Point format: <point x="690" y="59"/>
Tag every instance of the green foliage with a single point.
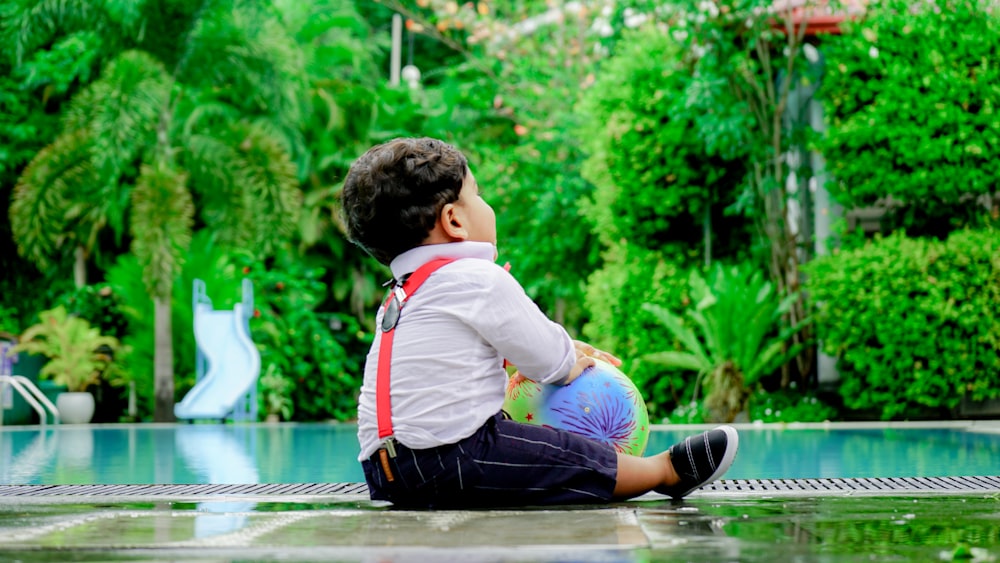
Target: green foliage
<point x="654" y="183"/>
<point x="913" y="322"/>
<point x="204" y="260"/>
<point x="275" y="394"/>
<point x="162" y="232"/>
<point x="632" y="276"/>
<point x="99" y="305"/>
<point x="920" y="126"/>
<point x="781" y="405"/>
<point x="78" y="353"/>
<point x="785" y="405"/>
<point x="125" y="138"/>
<point x="654" y="179"/>
<point x="10" y="324"/>
<point x="732" y="343"/>
<point x="315" y="357"/>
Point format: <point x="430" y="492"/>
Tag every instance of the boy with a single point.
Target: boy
<point x="436" y="436"/>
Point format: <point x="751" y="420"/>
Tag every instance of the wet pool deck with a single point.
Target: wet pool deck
<point x="794" y="520"/>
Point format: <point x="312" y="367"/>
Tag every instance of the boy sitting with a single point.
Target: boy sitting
<point x="436" y="436"/>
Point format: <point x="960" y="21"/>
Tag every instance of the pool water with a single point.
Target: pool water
<point x="312" y="453"/>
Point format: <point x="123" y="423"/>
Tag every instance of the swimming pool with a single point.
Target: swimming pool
<point x="315" y="453"/>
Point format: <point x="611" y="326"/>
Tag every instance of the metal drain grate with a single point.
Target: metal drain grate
<point x="895" y="486"/>
<point x="878" y="486"/>
<point x="271" y="489"/>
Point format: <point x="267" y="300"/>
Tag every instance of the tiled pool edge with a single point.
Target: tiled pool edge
<point x="733" y="488"/>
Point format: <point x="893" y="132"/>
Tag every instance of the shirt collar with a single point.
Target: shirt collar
<point x="412" y="259"/>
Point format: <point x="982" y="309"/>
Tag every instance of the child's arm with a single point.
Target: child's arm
<point x="540" y="348"/>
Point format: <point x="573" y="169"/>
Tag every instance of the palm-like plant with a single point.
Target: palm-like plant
<point x="735" y="336"/>
<point x="192" y="121"/>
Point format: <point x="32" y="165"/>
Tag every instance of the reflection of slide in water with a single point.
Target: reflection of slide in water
<point x="224" y="343"/>
<point x="214" y="454"/>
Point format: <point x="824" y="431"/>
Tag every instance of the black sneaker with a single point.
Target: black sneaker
<point x="700" y="460"/>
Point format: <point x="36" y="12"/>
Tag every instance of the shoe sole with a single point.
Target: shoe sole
<point x="732" y="445"/>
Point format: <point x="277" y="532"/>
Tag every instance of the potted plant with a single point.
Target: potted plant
<point x="78" y="355"/>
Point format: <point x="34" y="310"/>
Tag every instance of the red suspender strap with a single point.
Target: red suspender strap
<point x="392" y="308"/>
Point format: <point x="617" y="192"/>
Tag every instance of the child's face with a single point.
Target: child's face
<point x="480" y="221"/>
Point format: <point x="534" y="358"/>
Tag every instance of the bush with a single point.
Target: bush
<point x="918" y="124"/>
<point x="615" y="295"/>
<point x="653" y="176"/>
<point x="912" y="322"/>
<point x="315" y="358"/>
<point x="653" y="183"/>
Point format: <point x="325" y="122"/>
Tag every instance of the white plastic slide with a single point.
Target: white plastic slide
<point x="233" y="362"/>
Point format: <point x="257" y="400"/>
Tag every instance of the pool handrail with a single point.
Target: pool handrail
<point x="32" y="395"/>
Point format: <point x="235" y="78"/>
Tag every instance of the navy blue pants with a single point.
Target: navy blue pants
<point x="504" y="463"/>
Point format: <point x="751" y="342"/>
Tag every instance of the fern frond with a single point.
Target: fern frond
<point x="270" y="178"/>
<point x="243" y="48"/>
<point x="212" y="162"/>
<point x="42" y="206"/>
<point x="676" y="327"/>
<point x="209" y="115"/>
<point x="26" y="25"/>
<point x="162" y="219"/>
<point x="682" y="360"/>
<point x="133" y="92"/>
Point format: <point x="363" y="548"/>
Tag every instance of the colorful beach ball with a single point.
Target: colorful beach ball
<point x="602" y="404"/>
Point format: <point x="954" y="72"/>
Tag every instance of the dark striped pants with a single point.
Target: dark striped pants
<point x="504" y="463"/>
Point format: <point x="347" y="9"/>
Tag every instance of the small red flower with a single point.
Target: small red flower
<point x="280" y="285"/>
<point x="256" y="313"/>
<point x="246" y="269"/>
<point x="529" y="417"/>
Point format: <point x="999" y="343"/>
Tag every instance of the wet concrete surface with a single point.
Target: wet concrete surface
<point x="352" y="528"/>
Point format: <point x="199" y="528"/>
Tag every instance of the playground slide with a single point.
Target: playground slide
<point x="233" y="363"/>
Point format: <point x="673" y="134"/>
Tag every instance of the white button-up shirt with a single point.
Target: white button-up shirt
<point x="447" y="375"/>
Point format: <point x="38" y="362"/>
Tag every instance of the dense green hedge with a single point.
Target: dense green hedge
<point x="913" y="322"/>
<point x="653" y="181"/>
<point x="912" y="102"/>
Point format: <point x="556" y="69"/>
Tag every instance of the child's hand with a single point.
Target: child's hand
<point x="585" y="358"/>
<point x="582" y="348"/>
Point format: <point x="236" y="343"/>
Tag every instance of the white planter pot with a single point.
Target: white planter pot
<point x="75" y="408"/>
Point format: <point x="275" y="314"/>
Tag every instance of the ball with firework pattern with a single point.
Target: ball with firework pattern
<point x="602" y="404"/>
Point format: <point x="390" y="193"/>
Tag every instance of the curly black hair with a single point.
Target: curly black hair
<point x="394" y="193"/>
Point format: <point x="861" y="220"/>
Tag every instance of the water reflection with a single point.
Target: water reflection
<point x="217" y="455"/>
<point x="317" y="453"/>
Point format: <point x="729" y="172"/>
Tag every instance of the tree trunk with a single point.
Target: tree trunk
<point x="163" y="362"/>
<point x="79" y="267"/>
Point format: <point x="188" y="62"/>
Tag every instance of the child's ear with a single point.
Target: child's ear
<point x="452" y="222"/>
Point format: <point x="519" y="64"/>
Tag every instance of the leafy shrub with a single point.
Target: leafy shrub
<point x="913" y="322"/>
<point x="99" y="305"/>
<point x="735" y="339"/>
<point x="920" y="125"/>
<point x="632" y="276"/>
<point x="653" y="176"/>
<point x="654" y="182"/>
<point x="785" y="405"/>
<point x="318" y="355"/>
<point x="782" y="405"/>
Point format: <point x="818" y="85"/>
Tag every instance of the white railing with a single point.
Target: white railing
<point x="32" y="395"/>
